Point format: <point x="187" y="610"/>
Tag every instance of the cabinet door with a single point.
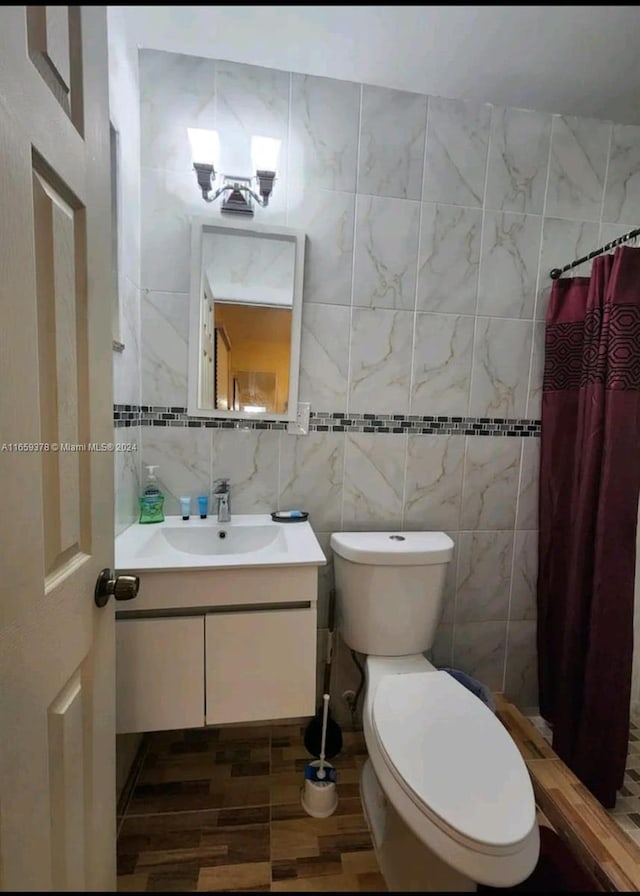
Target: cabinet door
<point x="159" y="674"/>
<point x="260" y="665"/>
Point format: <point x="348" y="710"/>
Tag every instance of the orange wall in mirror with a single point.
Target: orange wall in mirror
<point x="259" y="337"/>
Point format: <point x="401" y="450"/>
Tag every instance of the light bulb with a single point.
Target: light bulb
<point x="205" y="146"/>
<point x="264" y="153"/>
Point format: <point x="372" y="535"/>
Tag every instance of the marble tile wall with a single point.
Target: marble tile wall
<point x="125" y="118"/>
<point x="431" y="228"/>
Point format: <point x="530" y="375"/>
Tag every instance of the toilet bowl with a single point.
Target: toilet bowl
<point x="447" y="796"/>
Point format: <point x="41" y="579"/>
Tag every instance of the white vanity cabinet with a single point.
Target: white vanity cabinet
<point x="213" y="648"/>
<point x="160" y="673"/>
<point x="260" y="665"/>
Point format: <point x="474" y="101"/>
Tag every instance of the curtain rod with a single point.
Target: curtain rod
<point x="557" y="272"/>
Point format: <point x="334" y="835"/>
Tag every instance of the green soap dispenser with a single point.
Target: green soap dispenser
<point x="151" y="499"/>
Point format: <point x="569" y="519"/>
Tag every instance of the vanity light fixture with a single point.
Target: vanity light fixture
<point x="205" y="151"/>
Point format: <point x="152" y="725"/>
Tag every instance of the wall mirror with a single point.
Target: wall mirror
<point x="245" y="319"/>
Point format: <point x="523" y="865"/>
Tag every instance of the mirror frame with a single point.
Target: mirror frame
<point x="199" y="227"/>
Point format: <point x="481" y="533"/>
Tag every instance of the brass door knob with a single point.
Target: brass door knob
<point x="121" y="587"/>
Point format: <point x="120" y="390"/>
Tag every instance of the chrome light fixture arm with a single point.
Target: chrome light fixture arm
<point x="206" y="175"/>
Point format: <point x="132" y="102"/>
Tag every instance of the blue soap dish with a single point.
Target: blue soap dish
<point x="289" y="516"/>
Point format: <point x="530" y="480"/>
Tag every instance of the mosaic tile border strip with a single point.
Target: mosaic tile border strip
<point x="328" y="421"/>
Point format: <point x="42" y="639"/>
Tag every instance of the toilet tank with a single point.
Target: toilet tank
<point x="389" y="588"/>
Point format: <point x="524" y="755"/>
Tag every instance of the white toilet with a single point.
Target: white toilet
<point x="445" y="791"/>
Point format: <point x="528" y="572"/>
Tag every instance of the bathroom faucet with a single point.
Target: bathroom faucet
<point x="222" y="495"/>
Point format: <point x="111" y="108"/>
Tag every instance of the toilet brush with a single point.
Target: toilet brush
<point x="321" y="723"/>
<point x="321" y="773"/>
<point x="318" y="796"/>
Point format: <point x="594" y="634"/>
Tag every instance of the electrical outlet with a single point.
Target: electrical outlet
<point x="301" y="425"/>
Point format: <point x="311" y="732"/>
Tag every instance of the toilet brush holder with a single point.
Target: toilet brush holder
<point x="319" y="798"/>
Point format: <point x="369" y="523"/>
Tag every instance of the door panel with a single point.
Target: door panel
<point x="57" y="650"/>
<point x="53" y="42"/>
<point x="57" y="41"/>
<point x="66" y="771"/>
<point x="61" y="326"/>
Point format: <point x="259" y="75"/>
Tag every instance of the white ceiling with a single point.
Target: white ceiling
<point x="580" y="60"/>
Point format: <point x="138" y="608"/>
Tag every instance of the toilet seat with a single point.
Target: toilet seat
<point x="454" y="760"/>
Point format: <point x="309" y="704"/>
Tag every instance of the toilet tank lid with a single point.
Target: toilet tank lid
<point x="393" y="548"/>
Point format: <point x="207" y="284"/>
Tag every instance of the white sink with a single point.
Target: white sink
<point x="221" y="540"/>
<point x="247" y="540"/>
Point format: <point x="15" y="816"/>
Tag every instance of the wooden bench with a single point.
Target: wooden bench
<point x="595" y="840"/>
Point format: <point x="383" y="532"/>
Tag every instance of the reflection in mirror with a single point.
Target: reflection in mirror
<point x="245" y="336"/>
<point x="251" y="356"/>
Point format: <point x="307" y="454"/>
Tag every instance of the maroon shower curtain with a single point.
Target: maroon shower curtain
<point x="589" y="484"/>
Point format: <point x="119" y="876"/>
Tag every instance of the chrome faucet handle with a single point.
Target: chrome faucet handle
<point x="222" y="496"/>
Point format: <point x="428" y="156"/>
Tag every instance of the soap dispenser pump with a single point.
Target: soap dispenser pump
<point x="152" y="499"/>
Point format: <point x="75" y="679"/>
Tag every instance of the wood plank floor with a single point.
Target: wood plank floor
<point x="219" y="809"/>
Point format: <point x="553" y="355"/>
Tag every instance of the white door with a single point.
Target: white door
<point x="57" y="659"/>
